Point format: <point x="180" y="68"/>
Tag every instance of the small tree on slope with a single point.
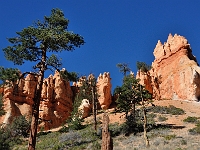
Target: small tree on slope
<point x="33" y="44"/>
<point x="130" y="94"/>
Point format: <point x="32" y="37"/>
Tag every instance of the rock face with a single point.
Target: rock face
<point x="84" y="109"/>
<point x="55" y="106"/>
<point x="56" y="99"/>
<point x="175" y="73"/>
<point x="104" y="90"/>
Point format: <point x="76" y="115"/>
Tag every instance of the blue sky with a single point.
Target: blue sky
<point x="115" y="31"/>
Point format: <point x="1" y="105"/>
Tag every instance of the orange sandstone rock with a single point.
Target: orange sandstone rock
<point x="175" y="73"/>
<point x="55" y="105"/>
<point x="104" y="90"/>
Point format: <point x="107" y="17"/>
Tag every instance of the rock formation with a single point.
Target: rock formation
<point x="56" y="99"/>
<point x="84" y="109"/>
<point x="175" y="73"/>
<point x="104" y="90"/>
<point x="56" y="103"/>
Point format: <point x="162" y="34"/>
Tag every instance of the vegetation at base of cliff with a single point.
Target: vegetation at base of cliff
<point x="161" y="136"/>
<point x="14" y="133"/>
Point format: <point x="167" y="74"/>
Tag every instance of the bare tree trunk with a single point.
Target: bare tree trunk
<point x="35" y="108"/>
<point x="133" y="111"/>
<point x="107" y="143"/>
<point x="145" y="127"/>
<point x="94" y="108"/>
<point x="145" y="121"/>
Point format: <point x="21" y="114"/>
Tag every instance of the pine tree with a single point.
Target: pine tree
<point x="123" y="68"/>
<point x="142" y="66"/>
<point x="130" y="94"/>
<point x="33" y="44"/>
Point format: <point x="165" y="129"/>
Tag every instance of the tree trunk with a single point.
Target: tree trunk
<point x="145" y="127"/>
<point x="36" y="104"/>
<point x="133" y="111"/>
<point x="145" y="120"/>
<point x="107" y="143"/>
<point x="94" y="108"/>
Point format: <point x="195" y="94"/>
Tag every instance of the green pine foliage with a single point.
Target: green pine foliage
<point x="85" y="92"/>
<point x="49" y="35"/>
<point x="143" y="66"/>
<point x="69" y="76"/>
<point x="12" y="134"/>
<point x="34" y="44"/>
<point x="9" y="75"/>
<point x="2" y="111"/>
<point x="20" y="126"/>
<point x="127" y="94"/>
<point x="131" y="94"/>
<point x="123" y="68"/>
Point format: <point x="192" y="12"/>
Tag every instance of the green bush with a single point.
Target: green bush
<point x="63" y="129"/>
<point x="115" y="129"/>
<point x="75" y="123"/>
<point x="175" y="111"/>
<point x="20" y="126"/>
<point x="170" y="137"/>
<point x="10" y="135"/>
<point x="191" y="119"/>
<point x="4" y="139"/>
<point x="162" y="118"/>
<point x="195" y="130"/>
<point x="167" y="110"/>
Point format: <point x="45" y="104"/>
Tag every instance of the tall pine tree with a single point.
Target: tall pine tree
<point x="33" y="44"/>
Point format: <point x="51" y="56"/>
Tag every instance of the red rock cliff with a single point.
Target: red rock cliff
<point x="175" y="73"/>
<point x="56" y="103"/>
<point x="57" y="98"/>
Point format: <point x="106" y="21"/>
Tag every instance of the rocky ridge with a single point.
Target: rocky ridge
<point x="56" y="103"/>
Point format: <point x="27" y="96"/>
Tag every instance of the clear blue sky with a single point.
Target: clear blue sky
<point x="115" y="31"/>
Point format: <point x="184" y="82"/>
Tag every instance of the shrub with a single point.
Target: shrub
<point x="20" y="126"/>
<point x="195" y="130"/>
<point x="75" y="123"/>
<point x="63" y="129"/>
<point x="4" y="139"/>
<point x="11" y="135"/>
<point x="162" y="118"/>
<point x="183" y="142"/>
<point x="115" y="129"/>
<point x="191" y="119"/>
<point x="167" y="110"/>
<point x="169" y="137"/>
<point x="175" y="111"/>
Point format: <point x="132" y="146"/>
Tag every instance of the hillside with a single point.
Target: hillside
<point x="173" y="133"/>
